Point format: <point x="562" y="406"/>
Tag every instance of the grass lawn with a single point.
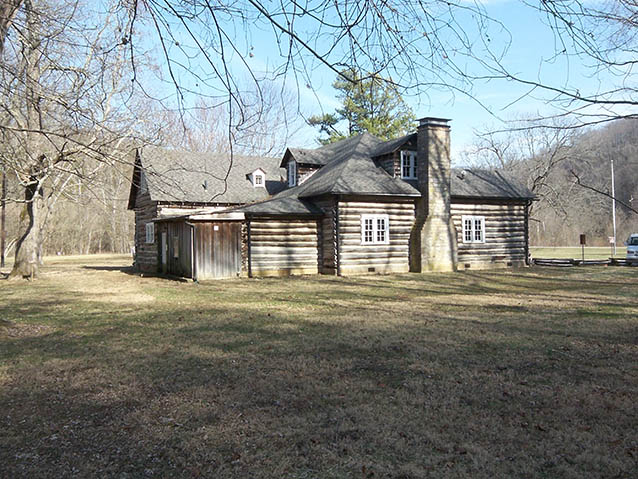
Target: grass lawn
<point x="522" y="373"/>
<point x="591" y="252"/>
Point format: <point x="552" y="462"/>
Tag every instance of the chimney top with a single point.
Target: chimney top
<point x="433" y="121"/>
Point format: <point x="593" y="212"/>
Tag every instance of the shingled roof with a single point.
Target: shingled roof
<point x="182" y="176"/>
<point x="487" y="184"/>
<point x="329" y="153"/>
<point x="349" y="169"/>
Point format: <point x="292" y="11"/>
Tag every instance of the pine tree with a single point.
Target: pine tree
<point x="370" y="104"/>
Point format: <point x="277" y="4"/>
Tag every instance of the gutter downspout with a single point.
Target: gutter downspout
<point x="335" y="222"/>
<point x="528" y="203"/>
<point x="249" y="247"/>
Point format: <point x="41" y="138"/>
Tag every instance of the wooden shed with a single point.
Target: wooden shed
<point x="201" y="246"/>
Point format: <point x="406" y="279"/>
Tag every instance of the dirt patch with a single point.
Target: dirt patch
<point x="10" y="329"/>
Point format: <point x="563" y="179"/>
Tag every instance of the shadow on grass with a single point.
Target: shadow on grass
<point x="300" y="378"/>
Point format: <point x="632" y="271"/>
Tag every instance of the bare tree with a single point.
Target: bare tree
<point x="62" y="87"/>
<point x="265" y="129"/>
<point x="531" y="152"/>
<point x="417" y="46"/>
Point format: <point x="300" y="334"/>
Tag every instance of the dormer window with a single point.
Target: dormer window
<point x="408" y="165"/>
<point x="258" y="178"/>
<point x="292" y="173"/>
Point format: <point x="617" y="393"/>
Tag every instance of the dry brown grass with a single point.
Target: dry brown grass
<point x="524" y="373"/>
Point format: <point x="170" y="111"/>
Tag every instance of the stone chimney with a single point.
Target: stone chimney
<point x="433" y="240"/>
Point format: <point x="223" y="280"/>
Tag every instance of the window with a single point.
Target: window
<point x="175" y="247"/>
<point x="473" y="229"/>
<point x="375" y="229"/>
<point x="259" y="179"/>
<point x="150" y="232"/>
<point x="292" y="173"/>
<point x="143" y="183"/>
<point x="408" y="165"/>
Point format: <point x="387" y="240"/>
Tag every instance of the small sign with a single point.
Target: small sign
<point x="612" y="240"/>
<point x="583" y="239"/>
<point x="215" y="227"/>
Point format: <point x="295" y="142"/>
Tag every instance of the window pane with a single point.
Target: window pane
<point x="368" y="232"/>
<point x="478" y="230"/>
<point x="380" y="230"/>
<point x="467" y="230"/>
<point x="408" y="164"/>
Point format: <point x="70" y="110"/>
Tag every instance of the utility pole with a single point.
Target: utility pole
<point x="3" y="201"/>
<point x="613" y="203"/>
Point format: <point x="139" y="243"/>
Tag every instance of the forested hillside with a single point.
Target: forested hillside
<point x="576" y="208"/>
<point x="569" y="170"/>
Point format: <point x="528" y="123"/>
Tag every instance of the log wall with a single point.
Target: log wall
<point x="283" y="247"/>
<point x="357" y="258"/>
<point x="327" y="245"/>
<point x="506" y="242"/>
<point x="146" y="254"/>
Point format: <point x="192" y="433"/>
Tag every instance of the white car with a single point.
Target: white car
<point x="632" y="248"/>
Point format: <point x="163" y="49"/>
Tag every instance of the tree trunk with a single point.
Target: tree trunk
<point x="26" y="256"/>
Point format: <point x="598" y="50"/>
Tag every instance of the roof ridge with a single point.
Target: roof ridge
<point x="206" y="153"/>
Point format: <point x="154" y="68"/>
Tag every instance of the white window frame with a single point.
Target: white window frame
<point x="292" y="173"/>
<point x="150" y="232"/>
<point x="409" y="162"/>
<point x="262" y="180"/>
<point x="473" y="229"/>
<point x="377" y="235"/>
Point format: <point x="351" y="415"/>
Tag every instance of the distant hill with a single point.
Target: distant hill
<point x="573" y="209"/>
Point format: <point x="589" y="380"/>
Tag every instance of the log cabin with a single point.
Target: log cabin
<point x="358" y="206"/>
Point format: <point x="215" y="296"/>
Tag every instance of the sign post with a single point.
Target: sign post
<point x="612" y="242"/>
<point x="583" y="241"/>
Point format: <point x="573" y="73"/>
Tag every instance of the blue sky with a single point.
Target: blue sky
<point x="531" y="54"/>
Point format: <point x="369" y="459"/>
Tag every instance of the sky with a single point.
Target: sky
<point x="530" y="54"/>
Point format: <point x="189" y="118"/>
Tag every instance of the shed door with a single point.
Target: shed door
<point x="218" y="249"/>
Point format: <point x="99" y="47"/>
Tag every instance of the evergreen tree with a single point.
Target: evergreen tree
<point x="369" y="103"/>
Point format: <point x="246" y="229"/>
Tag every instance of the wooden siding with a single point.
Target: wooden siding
<point x="218" y="248"/>
<point x="357" y="258"/>
<point x="282" y="247"/>
<point x="177" y="248"/>
<point x="180" y="209"/>
<point x="146" y="254"/>
<point x="505" y="234"/>
<point x="304" y="172"/>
